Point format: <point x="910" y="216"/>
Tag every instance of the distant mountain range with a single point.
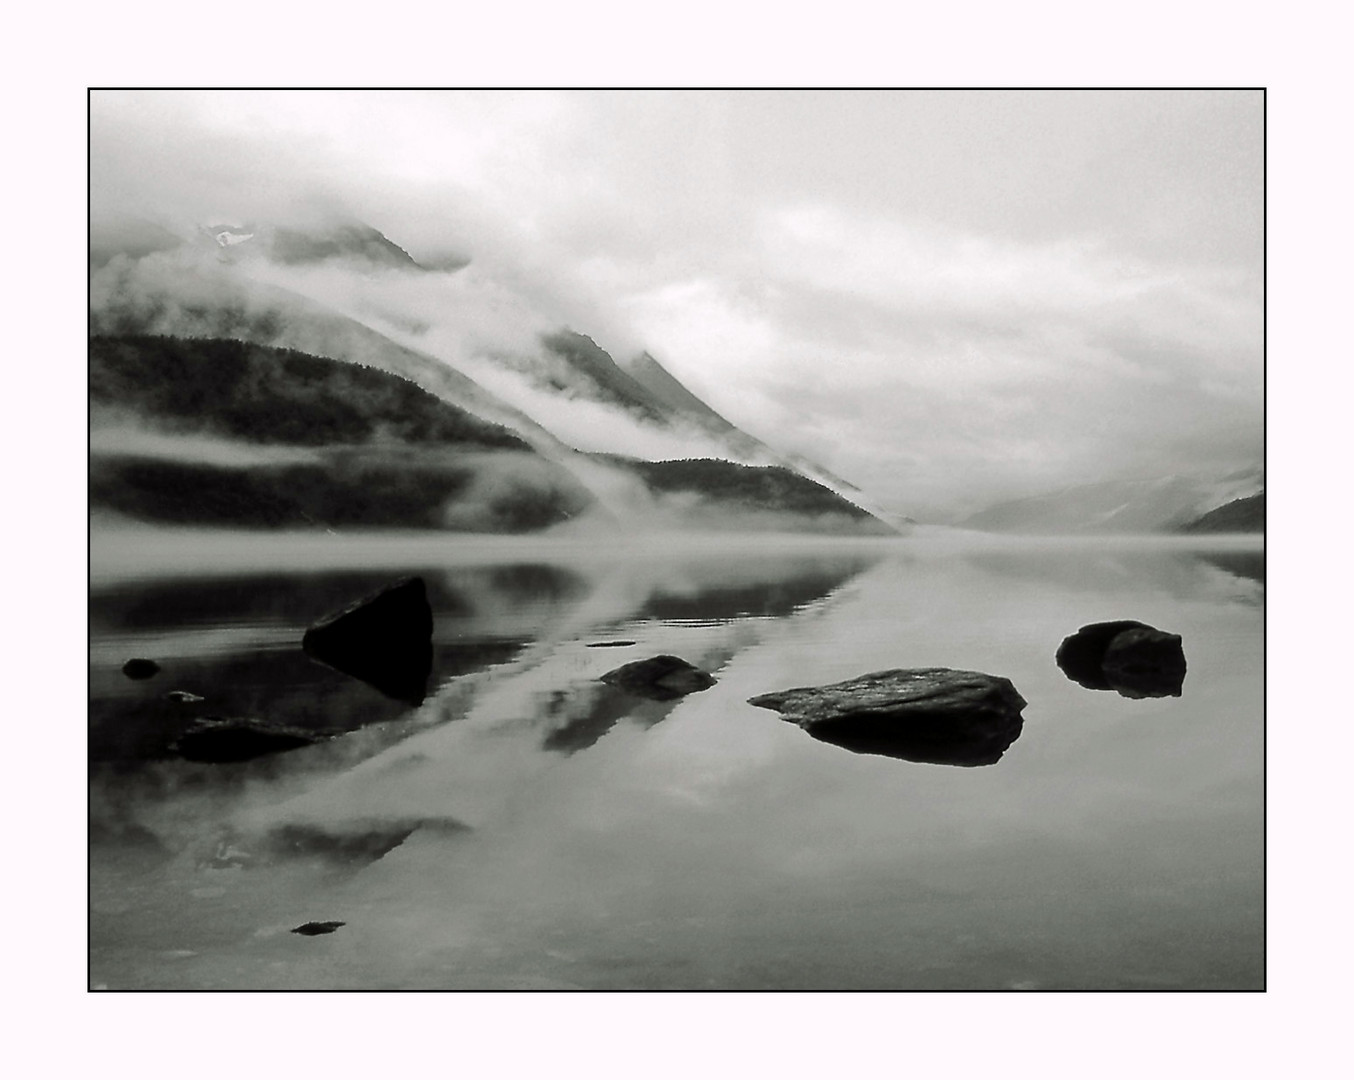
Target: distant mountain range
<point x="1238" y="516"/>
<point x="338" y="241"/>
<point x="608" y="436"/>
<point x="226" y="387"/>
<point x="1164" y="504"/>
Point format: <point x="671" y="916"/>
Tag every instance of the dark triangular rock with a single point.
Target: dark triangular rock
<point x="384" y="639"/>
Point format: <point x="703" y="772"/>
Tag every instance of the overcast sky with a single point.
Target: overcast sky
<point x="947" y="297"/>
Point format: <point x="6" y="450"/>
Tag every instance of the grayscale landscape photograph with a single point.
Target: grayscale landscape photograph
<point x="689" y="540"/>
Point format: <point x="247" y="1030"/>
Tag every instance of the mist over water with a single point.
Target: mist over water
<point x="531" y="827"/>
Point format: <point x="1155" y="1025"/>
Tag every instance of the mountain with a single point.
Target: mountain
<point x="1238" y="516"/>
<point x="715" y="494"/>
<point x="131" y="237"/>
<point x="665" y="389"/>
<point x="208" y="431"/>
<point x="264" y="395"/>
<point x="343" y="240"/>
<point x="220" y="432"/>
<point x="1162" y="504"/>
<point x="598" y="376"/>
<point x="557" y="391"/>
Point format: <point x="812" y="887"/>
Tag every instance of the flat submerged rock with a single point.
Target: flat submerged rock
<point x="938" y="716"/>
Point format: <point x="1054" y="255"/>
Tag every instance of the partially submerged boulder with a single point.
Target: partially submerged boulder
<point x="384" y="639"/>
<point x="660" y="678"/>
<point x="219" y="741"/>
<point x="1131" y="658"/>
<point x="936" y="716"/>
<point x="140" y="668"/>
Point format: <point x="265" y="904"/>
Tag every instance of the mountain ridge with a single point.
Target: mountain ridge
<point x="176" y="293"/>
<point x="209" y="431"/>
<point x="1157" y="504"/>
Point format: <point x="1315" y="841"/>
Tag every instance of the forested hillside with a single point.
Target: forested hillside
<point x="274" y="396"/>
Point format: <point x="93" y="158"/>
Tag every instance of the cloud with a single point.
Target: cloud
<point x="939" y="368"/>
<point x="946" y="297"/>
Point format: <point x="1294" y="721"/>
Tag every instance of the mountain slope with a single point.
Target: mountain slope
<point x="557" y="390"/>
<point x="266" y="395"/>
<point x="1119" y="506"/>
<point x="219" y="432"/>
<point x="673" y="396"/>
<point x="291" y="247"/>
<point x="191" y="299"/>
<point x="722" y="495"/>
<point x="130" y="237"/>
<point x="223" y="432"/>
<point x="605" y="379"/>
<point x="1238" y="516"/>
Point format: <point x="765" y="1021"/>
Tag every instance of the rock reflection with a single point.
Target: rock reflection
<point x="133" y="722"/>
<point x="587" y="711"/>
<point x="739" y="589"/>
<point x="1131" y="658"/>
<point x="1247" y="565"/>
<point x="348" y="844"/>
<point x="514" y="688"/>
<point x="980" y="740"/>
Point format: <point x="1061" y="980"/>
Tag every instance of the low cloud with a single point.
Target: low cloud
<point x="946" y="298"/>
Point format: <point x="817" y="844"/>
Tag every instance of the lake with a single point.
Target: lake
<point x="528" y="827"/>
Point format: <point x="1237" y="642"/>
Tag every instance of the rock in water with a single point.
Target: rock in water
<point x="384" y="639"/>
<point x="1131" y="658"/>
<point x="1079" y="656"/>
<point x="219" y="741"/>
<point x="311" y="929"/>
<point x="1145" y="663"/>
<point x="660" y="678"/>
<point x="936" y="716"/>
<point x="140" y="668"/>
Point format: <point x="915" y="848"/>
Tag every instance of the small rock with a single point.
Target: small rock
<point x="660" y="678"/>
<point x="219" y="741"/>
<point x="311" y="929"/>
<point x="936" y="716"/>
<point x="184" y="697"/>
<point x="140" y="668"/>
<point x="1131" y="658"/>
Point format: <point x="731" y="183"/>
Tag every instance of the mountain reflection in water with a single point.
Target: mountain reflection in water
<point x="235" y="642"/>
<point x="529" y="826"/>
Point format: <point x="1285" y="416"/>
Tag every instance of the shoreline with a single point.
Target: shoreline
<point x="121" y="552"/>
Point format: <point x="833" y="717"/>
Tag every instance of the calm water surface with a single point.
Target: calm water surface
<point x="528" y="827"/>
